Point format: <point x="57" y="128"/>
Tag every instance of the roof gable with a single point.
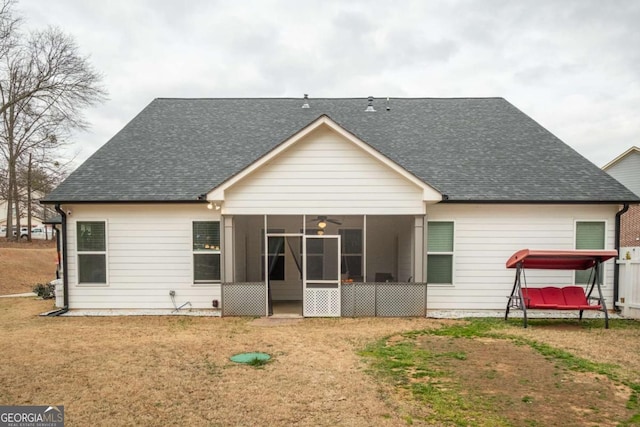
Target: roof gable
<point x="430" y="194"/>
<point x="630" y="152"/>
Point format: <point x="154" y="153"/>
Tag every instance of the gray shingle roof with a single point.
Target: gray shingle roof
<point x="479" y="149"/>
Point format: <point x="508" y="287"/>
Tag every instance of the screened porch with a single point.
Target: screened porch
<point x="324" y="265"/>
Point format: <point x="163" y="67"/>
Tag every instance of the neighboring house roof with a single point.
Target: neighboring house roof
<point x="471" y="149"/>
<point x="613" y="162"/>
<point x="55" y="220"/>
<point x="626" y="169"/>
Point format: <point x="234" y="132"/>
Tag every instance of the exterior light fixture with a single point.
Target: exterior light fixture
<point x="210" y="206"/>
<point x="320" y="232"/>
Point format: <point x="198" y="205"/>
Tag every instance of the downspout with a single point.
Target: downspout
<point x="65" y="280"/>
<point x="616" y="268"/>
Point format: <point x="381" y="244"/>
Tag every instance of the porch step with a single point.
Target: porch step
<point x="285" y="316"/>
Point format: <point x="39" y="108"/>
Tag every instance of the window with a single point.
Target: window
<point x="276" y="255"/>
<point x="92" y="252"/>
<point x="351" y="252"/>
<point x="439" y="252"/>
<point x="589" y="235"/>
<point x="206" y="251"/>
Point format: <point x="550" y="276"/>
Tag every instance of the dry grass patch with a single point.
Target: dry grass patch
<point x="23" y="265"/>
<point x="176" y="370"/>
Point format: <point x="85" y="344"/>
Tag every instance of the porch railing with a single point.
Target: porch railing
<point x="384" y="299"/>
<point x="244" y="299"/>
<point x="358" y="299"/>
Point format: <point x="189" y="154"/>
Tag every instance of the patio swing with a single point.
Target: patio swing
<point x="558" y="298"/>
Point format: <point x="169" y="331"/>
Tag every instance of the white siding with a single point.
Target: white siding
<point x="324" y="174"/>
<point x="627" y="171"/>
<point x="149" y="253"/>
<point x="487" y="235"/>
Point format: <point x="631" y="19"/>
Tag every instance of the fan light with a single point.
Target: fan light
<point x="322" y="225"/>
<point x="320" y="232"/>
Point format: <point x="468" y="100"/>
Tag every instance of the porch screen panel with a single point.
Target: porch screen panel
<point x="351" y="252"/>
<point x="440" y="252"/>
<point x="589" y="235"/>
<point x="276" y="255"/>
<point x="315" y="259"/>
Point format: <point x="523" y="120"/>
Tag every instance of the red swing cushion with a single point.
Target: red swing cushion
<point x="533" y="299"/>
<point x="553" y="298"/>
<point x="575" y="297"/>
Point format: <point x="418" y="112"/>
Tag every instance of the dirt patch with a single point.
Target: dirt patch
<point x="522" y="386"/>
<point x="619" y="345"/>
<point x="24" y="266"/>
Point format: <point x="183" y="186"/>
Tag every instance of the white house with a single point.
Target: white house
<point x="328" y="207"/>
<point x="626" y="169"/>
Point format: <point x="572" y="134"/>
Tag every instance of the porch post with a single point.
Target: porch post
<point x="227" y="250"/>
<point x="419" y="253"/>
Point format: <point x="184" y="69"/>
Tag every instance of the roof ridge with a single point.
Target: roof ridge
<point x="326" y="98"/>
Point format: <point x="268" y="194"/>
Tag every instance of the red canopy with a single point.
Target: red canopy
<point x="559" y="260"/>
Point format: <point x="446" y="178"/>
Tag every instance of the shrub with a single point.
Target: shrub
<point x="46" y="291"/>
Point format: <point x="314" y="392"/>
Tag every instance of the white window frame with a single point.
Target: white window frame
<point x="604" y="245"/>
<point x="451" y="253"/>
<point x="105" y="253"/>
<point x="195" y="252"/>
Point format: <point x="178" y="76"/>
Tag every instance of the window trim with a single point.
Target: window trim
<point x="451" y="253"/>
<point x="194" y="252"/>
<point x="105" y="253"/>
<point x="604" y="246"/>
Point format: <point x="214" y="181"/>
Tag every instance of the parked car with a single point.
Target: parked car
<point x="36" y="233"/>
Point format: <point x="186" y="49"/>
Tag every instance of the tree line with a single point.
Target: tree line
<point x="45" y="83"/>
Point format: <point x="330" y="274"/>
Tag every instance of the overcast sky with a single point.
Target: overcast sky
<point x="573" y="66"/>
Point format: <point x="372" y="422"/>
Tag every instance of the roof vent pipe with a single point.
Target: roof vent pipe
<point x="370" y="108"/>
<point x="306" y="101"/>
<point x="388" y="106"/>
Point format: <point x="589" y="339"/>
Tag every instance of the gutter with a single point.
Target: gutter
<point x="538" y="202"/>
<point x="616" y="269"/>
<point x="65" y="280"/>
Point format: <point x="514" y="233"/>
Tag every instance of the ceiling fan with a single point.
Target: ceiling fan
<point x="323" y="220"/>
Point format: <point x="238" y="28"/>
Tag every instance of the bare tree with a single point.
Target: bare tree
<point x="8" y="27"/>
<point x="44" y="86"/>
